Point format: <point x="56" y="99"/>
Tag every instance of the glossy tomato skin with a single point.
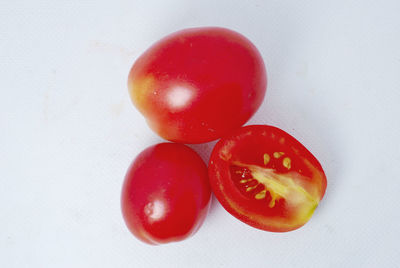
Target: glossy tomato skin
<point x="166" y="194"/>
<point x="266" y="178"/>
<point x="198" y="84"/>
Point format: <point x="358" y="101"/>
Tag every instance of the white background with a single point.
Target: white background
<point x="68" y="130"/>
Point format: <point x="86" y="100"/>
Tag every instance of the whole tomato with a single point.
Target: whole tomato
<point x="266" y="178"/>
<point x="198" y="84"/>
<point x="166" y="194"/>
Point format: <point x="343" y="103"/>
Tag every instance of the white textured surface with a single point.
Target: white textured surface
<point x="68" y="130"/>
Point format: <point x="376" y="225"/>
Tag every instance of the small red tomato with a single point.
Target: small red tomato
<point x="198" y="84"/>
<point x="266" y="178"/>
<point x="166" y="194"/>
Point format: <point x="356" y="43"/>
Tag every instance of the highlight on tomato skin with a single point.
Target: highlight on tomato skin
<point x="266" y="178"/>
<point x="198" y="84"/>
<point x="166" y="194"/>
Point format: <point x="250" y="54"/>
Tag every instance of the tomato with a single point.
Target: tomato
<point x="166" y="194"/>
<point x="266" y="178"/>
<point x="198" y="84"/>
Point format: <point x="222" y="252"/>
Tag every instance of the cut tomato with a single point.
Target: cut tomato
<point x="266" y="178"/>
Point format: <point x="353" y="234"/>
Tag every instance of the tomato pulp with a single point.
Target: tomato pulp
<point x="166" y="194"/>
<point x="198" y="84"/>
<point x="266" y="178"/>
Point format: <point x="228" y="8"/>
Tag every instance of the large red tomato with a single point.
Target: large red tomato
<point x="199" y="84"/>
<point x="266" y="178"/>
<point x="166" y="194"/>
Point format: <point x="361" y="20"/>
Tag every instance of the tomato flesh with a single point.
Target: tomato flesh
<point x="266" y="178"/>
<point x="166" y="194"/>
<point x="198" y="84"/>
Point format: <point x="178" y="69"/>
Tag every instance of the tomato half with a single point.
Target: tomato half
<point x="166" y="194"/>
<point x="198" y="84"/>
<point x="266" y="178"/>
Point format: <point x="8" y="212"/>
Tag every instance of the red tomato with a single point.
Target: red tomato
<point x="199" y="84"/>
<point x="266" y="178"/>
<point x="166" y="194"/>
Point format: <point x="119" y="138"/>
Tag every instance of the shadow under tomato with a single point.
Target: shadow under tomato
<point x="204" y="150"/>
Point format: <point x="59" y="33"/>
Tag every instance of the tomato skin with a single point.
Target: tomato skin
<point x="198" y="84"/>
<point x="266" y="152"/>
<point x="166" y="194"/>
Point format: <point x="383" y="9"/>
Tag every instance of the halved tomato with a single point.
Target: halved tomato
<point x="266" y="178"/>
